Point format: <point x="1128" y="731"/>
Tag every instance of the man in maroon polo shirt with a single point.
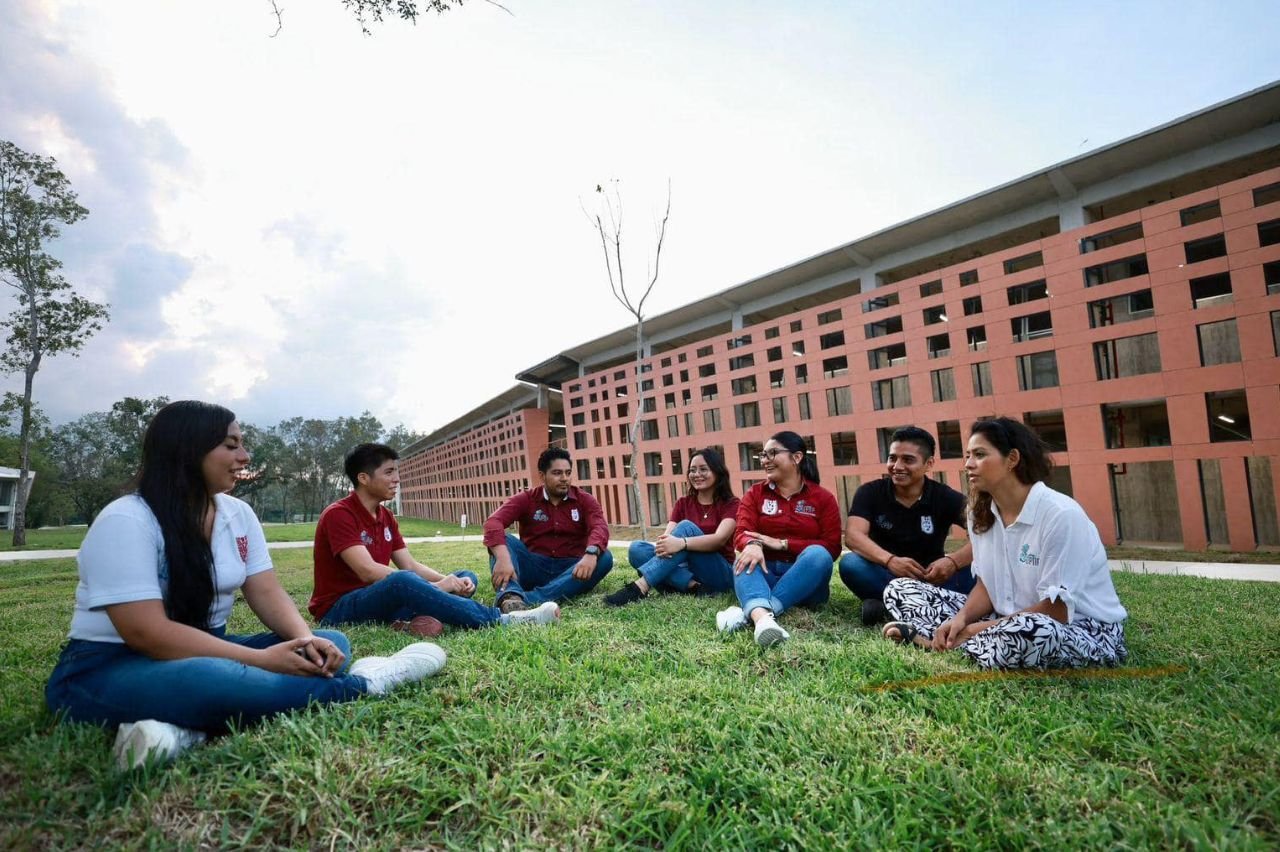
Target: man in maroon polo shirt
<point x="365" y="573"/>
<point x="563" y="547"/>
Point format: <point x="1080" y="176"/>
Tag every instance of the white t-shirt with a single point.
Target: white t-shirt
<point x="1051" y="552"/>
<point x="122" y="560"/>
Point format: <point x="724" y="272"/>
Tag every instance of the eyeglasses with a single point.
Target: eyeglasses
<point x="768" y="455"/>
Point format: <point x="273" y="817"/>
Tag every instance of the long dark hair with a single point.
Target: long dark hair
<point x="171" y="480"/>
<point x="722" y="492"/>
<point x="793" y="443"/>
<point x="1034" y="464"/>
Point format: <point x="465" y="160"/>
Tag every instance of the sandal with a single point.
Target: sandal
<point x="906" y="632"/>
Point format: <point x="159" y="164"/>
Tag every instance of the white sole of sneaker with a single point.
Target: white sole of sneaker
<point x="771" y="636"/>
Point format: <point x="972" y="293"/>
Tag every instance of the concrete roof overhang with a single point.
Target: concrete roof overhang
<point x="512" y="399"/>
<point x="1230" y="118"/>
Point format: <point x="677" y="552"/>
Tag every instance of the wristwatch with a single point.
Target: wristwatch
<point x="593" y="550"/>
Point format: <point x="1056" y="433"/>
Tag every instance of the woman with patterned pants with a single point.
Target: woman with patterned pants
<point x="1043" y="596"/>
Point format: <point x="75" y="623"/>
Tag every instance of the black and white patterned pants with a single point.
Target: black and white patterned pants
<point x="1023" y="640"/>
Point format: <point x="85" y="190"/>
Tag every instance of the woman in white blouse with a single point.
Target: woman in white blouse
<point x="1043" y="597"/>
<point x="149" y="652"/>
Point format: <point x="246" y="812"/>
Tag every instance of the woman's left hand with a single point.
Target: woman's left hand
<point x="325" y="654"/>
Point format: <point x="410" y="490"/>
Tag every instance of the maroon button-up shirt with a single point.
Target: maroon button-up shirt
<point x="555" y="530"/>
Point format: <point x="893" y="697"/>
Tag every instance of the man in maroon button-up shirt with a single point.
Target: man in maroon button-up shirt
<point x="563" y="548"/>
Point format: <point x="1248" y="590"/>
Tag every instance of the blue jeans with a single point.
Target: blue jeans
<point x="547" y="578"/>
<point x="108" y="683"/>
<point x="867" y="580"/>
<point x="806" y="582"/>
<point x="711" y="570"/>
<point x="402" y="595"/>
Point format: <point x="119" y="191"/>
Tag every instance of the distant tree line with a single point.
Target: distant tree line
<point x="83" y="465"/>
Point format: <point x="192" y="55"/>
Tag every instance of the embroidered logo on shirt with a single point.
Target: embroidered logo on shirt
<point x="804" y="507"/>
<point x="365" y="538"/>
<point x="1028" y="558"/>
<point x="539" y="515"/>
<point x="770" y="507"/>
<point x="926" y="524"/>
<point x="883" y="522"/>
<point x="386" y="533"/>
<point x="573" y="513"/>
<point x="242" y="545"/>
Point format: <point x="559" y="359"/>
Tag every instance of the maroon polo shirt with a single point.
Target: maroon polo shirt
<point x="810" y="516"/>
<point x="344" y="524"/>
<point x="557" y="531"/>
<point x="708" y="518"/>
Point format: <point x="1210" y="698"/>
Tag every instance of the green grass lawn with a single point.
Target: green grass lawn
<point x="642" y="727"/>
<point x="70" y="538"/>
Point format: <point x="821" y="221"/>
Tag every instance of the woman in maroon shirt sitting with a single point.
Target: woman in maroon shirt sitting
<point x="695" y="552"/>
<point x="788" y="537"/>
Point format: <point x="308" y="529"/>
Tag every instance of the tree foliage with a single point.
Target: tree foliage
<point x="50" y="319"/>
<point x="295" y="467"/>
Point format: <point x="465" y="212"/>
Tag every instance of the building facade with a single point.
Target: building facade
<point x="1126" y="304"/>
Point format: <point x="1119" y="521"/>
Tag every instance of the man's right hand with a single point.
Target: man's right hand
<point x="503" y="573"/>
<point x="905" y="566"/>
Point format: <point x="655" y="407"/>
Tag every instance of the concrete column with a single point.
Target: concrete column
<point x="736" y="320"/>
<point x="1071" y="215"/>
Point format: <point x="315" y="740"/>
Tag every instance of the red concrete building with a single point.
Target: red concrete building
<point x="1125" y="303"/>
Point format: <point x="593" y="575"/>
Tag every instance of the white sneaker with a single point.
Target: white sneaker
<point x="149" y="739"/>
<point x="411" y="663"/>
<point x="548" y="613"/>
<point x="731" y="619"/>
<point x="768" y="632"/>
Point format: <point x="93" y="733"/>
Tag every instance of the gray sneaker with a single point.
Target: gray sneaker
<point x="411" y="663"/>
<point x="152" y="740"/>
<point x="770" y="633"/>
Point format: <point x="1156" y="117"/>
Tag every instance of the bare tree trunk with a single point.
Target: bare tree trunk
<point x="611" y="240"/>
<point x="641" y="509"/>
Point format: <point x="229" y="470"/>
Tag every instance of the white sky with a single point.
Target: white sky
<point x="325" y="222"/>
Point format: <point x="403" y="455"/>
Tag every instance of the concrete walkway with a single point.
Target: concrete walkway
<point x="1218" y="570"/>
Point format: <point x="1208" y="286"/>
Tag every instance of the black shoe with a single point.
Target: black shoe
<point x="873" y="612"/>
<point x="629" y="593"/>
<point x="510" y="602"/>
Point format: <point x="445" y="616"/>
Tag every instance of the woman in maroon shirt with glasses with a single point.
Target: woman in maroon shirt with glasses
<point x="788" y="536"/>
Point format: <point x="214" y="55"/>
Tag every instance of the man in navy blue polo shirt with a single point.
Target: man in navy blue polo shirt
<point x="563" y="547"/>
<point x="898" y="527"/>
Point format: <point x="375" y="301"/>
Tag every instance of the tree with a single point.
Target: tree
<point x="401" y="437"/>
<point x="608" y="224"/>
<point x="374" y="11"/>
<point x="83" y="452"/>
<point x="49" y="503"/>
<point x="35" y="200"/>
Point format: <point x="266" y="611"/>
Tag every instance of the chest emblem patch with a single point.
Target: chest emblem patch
<point x="804" y="507"/>
<point x="242" y="545"/>
<point x="540" y="515"/>
<point x="365" y="538"/>
<point x="386" y="533"/>
<point x="926" y="524"/>
<point x="770" y="507"/>
<point x="573" y="513"/>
